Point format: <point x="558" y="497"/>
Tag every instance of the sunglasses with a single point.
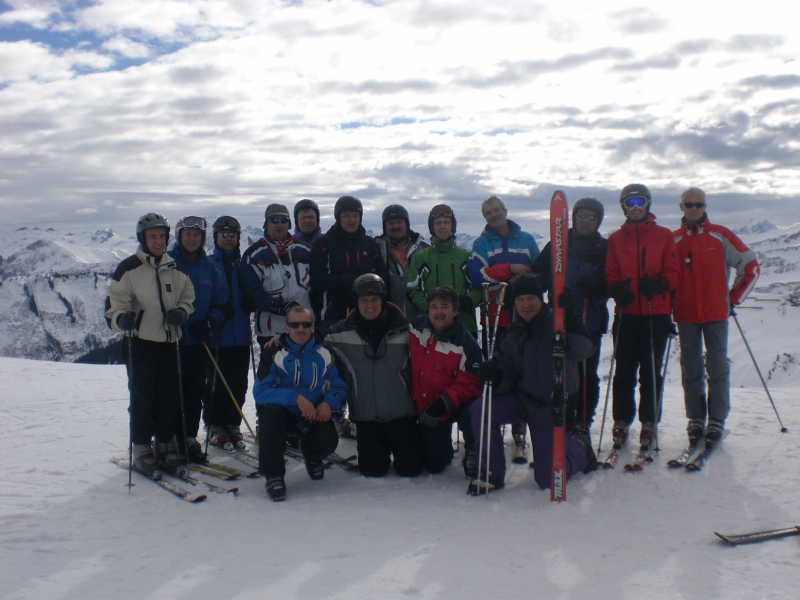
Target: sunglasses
<point x="441" y="210"/>
<point x="691" y="205"/>
<point x="193" y="223"/>
<point x="226" y="234"/>
<point x="635" y="201"/>
<point x="297" y="324"/>
<point x="582" y="215"/>
<point x="276" y="220"/>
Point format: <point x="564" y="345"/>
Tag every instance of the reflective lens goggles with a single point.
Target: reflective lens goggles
<point x="303" y="324"/>
<point x="370" y="288"/>
<point x="583" y="215"/>
<point x="276" y="220"/>
<point x="694" y="204"/>
<point x="441" y="210"/>
<point x="228" y="223"/>
<point x="635" y="201"/>
<point x="226" y="234"/>
<point x="192" y="223"/>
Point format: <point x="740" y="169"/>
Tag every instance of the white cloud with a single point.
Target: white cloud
<point x="35" y="14"/>
<point x="126" y="47"/>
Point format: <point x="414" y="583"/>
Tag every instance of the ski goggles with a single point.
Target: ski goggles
<point x="583" y="215"/>
<point x="276" y="220"/>
<point x="192" y="223"/>
<point x="694" y="204"/>
<point x="635" y="201"/>
<point x="371" y="288"/>
<point x="229" y="223"/>
<point x="441" y="210"/>
<point x="298" y="324"/>
<point x="227" y="234"/>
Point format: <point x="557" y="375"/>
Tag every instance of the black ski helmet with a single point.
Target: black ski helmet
<point x="441" y="210"/>
<point x="190" y="223"/>
<point x="369" y="284"/>
<point x="592" y="204"/>
<point x="347" y="204"/>
<point x="304" y="204"/>
<point x="226" y="224"/>
<point x="631" y="191"/>
<point x="395" y="211"/>
<point x="151" y="221"/>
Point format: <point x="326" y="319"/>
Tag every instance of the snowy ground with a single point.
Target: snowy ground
<point x="69" y="528"/>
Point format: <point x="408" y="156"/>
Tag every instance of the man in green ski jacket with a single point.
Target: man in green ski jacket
<point x="443" y="263"/>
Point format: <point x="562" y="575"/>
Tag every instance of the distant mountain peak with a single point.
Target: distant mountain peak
<point x="754" y="226"/>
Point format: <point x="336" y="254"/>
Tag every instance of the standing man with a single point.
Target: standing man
<point x="501" y="252"/>
<point x="703" y="303"/>
<point x="586" y="264"/>
<point x="397" y="245"/>
<point x="210" y="308"/>
<point x="371" y="347"/>
<point x="443" y="264"/>
<point x="150" y="296"/>
<point x="338" y="257"/>
<point x="233" y="350"/>
<point x="444" y="375"/>
<point x="306" y="221"/>
<point x="276" y="275"/>
<point x="642" y="269"/>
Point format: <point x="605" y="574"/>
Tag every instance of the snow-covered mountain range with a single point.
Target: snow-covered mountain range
<point x="53" y="285"/>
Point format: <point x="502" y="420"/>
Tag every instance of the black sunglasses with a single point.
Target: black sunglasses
<point x="694" y="204"/>
<point x="582" y="215"/>
<point x="277" y="220"/>
<point x="303" y="324"/>
<point x="226" y="234"/>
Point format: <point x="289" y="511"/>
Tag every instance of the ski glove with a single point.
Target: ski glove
<point x="176" y="317"/>
<point x="201" y="328"/>
<point x="489" y="372"/>
<point x="465" y="304"/>
<point x="593" y="286"/>
<point x="126" y="321"/>
<point x="653" y="286"/>
<point x="433" y="413"/>
<point x="621" y="293"/>
<point x="280" y="307"/>
<point x="567" y="301"/>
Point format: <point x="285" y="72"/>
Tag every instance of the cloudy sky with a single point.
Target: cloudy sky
<point x="113" y="108"/>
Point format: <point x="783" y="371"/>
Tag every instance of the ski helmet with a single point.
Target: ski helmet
<point x="369" y="284"/>
<point x="592" y="204"/>
<point x="191" y="223"/>
<point x="306" y="204"/>
<point x="635" y="190"/>
<point x="394" y="211"/>
<point x="347" y="204"/>
<point x="226" y="224"/>
<point x="151" y="221"/>
<point x="441" y="210"/>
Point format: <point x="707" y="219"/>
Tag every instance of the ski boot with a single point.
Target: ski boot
<point x="276" y="488"/>
<point x="470" y="466"/>
<point x="646" y="435"/>
<point x="582" y="436"/>
<point x="143" y="459"/>
<point x="195" y="450"/>
<point x="236" y="437"/>
<point x="714" y="430"/>
<point x="166" y="457"/>
<point x="477" y="487"/>
<point x="519" y="449"/>
<point x="695" y="430"/>
<point x="218" y="436"/>
<point x="619" y="435"/>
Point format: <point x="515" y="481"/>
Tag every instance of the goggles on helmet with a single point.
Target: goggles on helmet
<point x="192" y="223"/>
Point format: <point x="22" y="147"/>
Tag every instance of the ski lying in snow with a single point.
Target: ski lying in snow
<point x="758" y="536"/>
<point x="158" y="477"/>
<point x="642" y="458"/>
<point x="223" y="472"/>
<point x="613" y="458"/>
<point x="347" y="464"/>
<point x="217" y="489"/>
<point x="684" y="457"/>
<point x="243" y="456"/>
<point x="699" y="462"/>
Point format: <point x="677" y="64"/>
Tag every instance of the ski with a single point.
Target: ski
<point x="217" y="489"/>
<point x="684" y="457"/>
<point x="157" y="477"/>
<point x="559" y="231"/>
<point x="642" y="458"/>
<point x="243" y="456"/>
<point x="699" y="462"/>
<point x="758" y="536"/>
<point x="613" y="458"/>
<point x="347" y="464"/>
<point x="223" y="472"/>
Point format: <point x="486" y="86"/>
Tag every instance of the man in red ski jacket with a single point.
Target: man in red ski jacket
<point x="641" y="270"/>
<point x="703" y="304"/>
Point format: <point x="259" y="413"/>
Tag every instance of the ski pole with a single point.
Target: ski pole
<point x="614" y="336"/>
<point x="499" y="300"/>
<point x="130" y="413"/>
<point x="211" y="398"/>
<point x="653" y="371"/>
<point x="663" y="379"/>
<point x="755" y="364"/>
<point x="488" y="383"/>
<point x="233" y="398"/>
<point x="583" y="369"/>
<point x="180" y="393"/>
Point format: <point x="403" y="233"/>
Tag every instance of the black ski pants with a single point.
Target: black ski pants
<point x="633" y="354"/>
<point x="234" y="362"/>
<point x="437" y="441"/>
<point x="275" y="422"/>
<point x="195" y="369"/>
<point x="379" y="442"/>
<point x="585" y="406"/>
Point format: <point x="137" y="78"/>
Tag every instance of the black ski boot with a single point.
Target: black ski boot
<point x="714" y="430"/>
<point x="196" y="454"/>
<point x="695" y="430"/>
<point x="276" y="488"/>
<point x="470" y="466"/>
<point x="316" y="470"/>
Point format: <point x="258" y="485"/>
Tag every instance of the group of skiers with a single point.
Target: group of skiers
<point x="377" y="338"/>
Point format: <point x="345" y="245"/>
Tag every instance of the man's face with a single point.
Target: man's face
<point x="495" y="215"/>
<point x="155" y="240"/>
<point x="527" y="306"/>
<point x="299" y="335"/>
<point x="441" y="314"/>
<point x="278" y="231"/>
<point x="307" y="221"/>
<point x="586" y="221"/>
<point x="396" y="229"/>
<point x="191" y="239"/>
<point x="369" y="307"/>
<point x="636" y="214"/>
<point x="694" y="214"/>
<point x="227" y="240"/>
<point x="350" y="220"/>
<point x="443" y="228"/>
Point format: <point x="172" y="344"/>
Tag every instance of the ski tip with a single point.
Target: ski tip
<point x="724" y="538"/>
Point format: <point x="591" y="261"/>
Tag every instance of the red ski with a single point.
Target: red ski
<point x="559" y="231"/>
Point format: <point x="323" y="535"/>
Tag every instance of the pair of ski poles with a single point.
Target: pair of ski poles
<point x="486" y="399"/>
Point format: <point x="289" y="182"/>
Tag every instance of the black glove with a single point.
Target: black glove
<point x="653" y="286"/>
<point x="591" y="286"/>
<point x="200" y="328"/>
<point x="489" y="372"/>
<point x="176" y="317"/>
<point x="621" y="293"/>
<point x="566" y="300"/>
<point x="126" y="321"/>
<point x="465" y="304"/>
<point x="280" y="307"/>
<point x="433" y="413"/>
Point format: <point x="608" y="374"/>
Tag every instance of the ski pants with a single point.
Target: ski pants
<point x="437" y="441"/>
<point x="381" y="441"/>
<point x="275" y="423"/>
<point x="633" y="354"/>
<point x="195" y="370"/>
<point x="506" y="409"/>
<point x="716" y="368"/>
<point x="153" y="385"/>
<point x="234" y="362"/>
<point x="585" y="406"/>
